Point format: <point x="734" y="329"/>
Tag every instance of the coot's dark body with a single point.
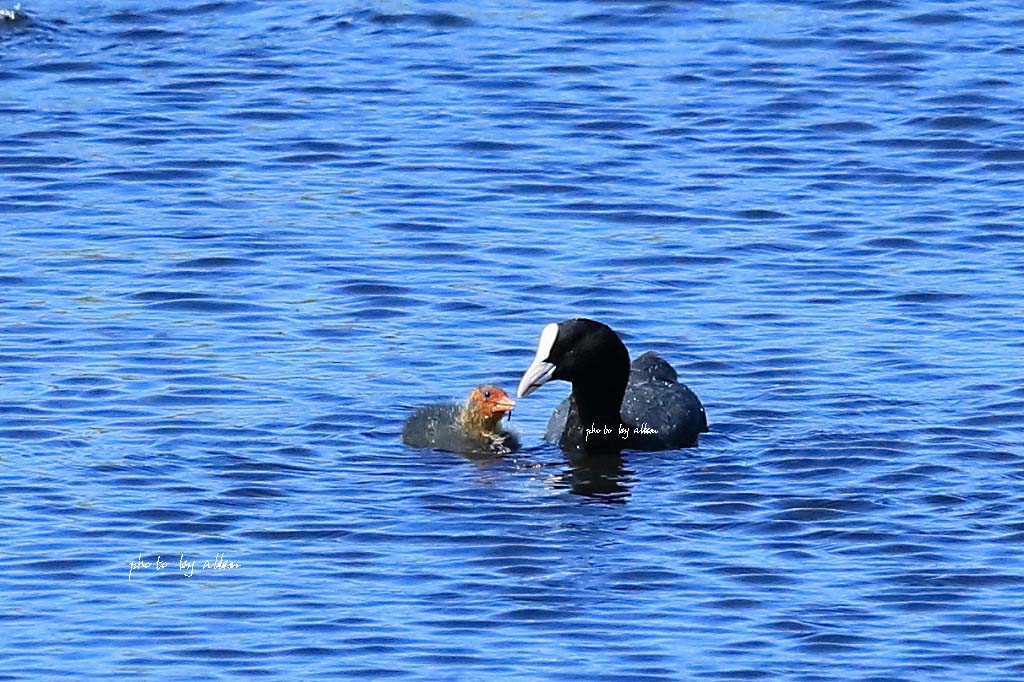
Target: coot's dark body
<point x="614" y="404"/>
<point x="653" y="397"/>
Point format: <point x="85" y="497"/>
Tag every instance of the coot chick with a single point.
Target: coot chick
<point x="614" y="405"/>
<point x="470" y="429"/>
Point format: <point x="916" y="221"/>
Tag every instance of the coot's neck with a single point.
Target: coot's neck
<point x="594" y="421"/>
<point x="599" y="398"/>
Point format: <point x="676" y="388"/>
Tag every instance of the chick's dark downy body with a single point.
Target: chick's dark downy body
<point x="473" y="428"/>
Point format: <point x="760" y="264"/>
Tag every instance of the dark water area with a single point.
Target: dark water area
<point x="241" y="241"/>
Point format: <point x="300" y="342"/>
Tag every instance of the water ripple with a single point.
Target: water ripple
<point x="226" y="281"/>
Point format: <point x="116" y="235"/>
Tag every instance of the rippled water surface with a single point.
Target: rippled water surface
<point x="242" y="240"/>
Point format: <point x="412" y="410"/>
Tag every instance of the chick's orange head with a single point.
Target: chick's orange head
<point x="491" y="400"/>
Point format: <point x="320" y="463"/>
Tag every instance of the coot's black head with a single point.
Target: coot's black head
<point x="586" y="353"/>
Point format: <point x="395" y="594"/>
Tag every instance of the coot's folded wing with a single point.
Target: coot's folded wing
<point x="662" y="415"/>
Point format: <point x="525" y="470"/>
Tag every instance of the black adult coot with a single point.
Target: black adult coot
<point x="613" y="405"/>
<point x="470" y="429"/>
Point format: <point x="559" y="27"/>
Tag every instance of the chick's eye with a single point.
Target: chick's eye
<point x="487" y="394"/>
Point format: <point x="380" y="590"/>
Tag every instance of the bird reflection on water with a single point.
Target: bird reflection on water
<point x="602" y="478"/>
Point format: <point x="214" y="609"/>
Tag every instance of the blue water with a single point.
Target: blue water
<point x="242" y="240"/>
